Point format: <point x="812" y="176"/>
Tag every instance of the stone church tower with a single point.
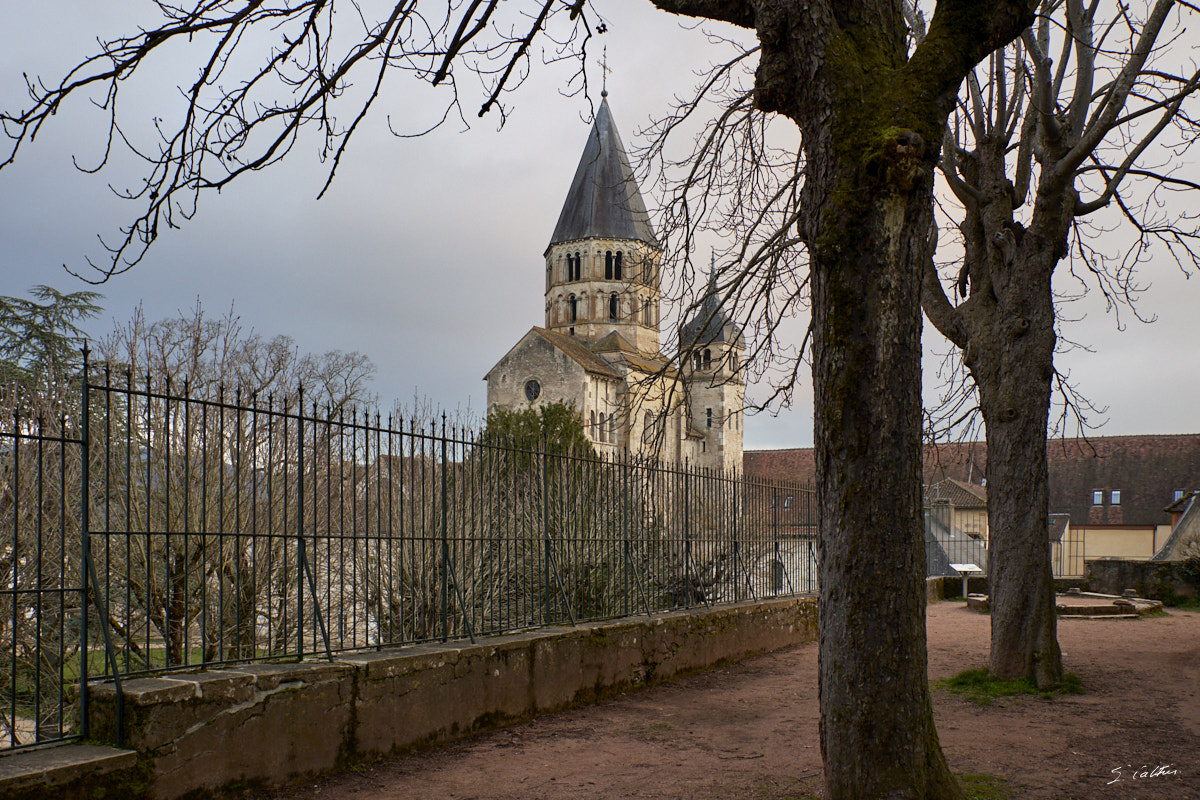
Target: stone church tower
<point x="603" y="258"/>
<point x="600" y="347"/>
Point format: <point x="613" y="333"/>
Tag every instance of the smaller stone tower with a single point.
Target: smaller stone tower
<point x="711" y="352"/>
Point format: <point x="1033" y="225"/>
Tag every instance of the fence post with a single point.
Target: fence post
<point x="85" y="545"/>
<point x="546" y="578"/>
<point x="735" y="489"/>
<point x="300" y="554"/>
<point x="445" y="543"/>
<point x="687" y="537"/>
<point x="624" y="462"/>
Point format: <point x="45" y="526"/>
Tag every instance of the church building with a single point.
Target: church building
<point x="599" y="349"/>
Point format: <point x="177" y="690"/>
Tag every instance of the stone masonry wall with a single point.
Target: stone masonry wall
<point x="203" y="733"/>
<point x="1168" y="581"/>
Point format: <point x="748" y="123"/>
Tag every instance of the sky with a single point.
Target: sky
<point x="426" y="254"/>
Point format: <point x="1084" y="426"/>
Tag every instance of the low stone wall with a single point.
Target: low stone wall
<point x="266" y="724"/>
<point x="1157" y="580"/>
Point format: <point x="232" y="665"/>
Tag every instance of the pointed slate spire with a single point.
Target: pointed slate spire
<point x="604" y="201"/>
<point x="709" y="324"/>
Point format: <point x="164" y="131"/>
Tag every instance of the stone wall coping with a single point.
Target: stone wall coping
<point x="271" y="676"/>
<point x="58" y="766"/>
<point x="190" y="728"/>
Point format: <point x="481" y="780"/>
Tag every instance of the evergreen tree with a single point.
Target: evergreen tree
<point x="41" y="346"/>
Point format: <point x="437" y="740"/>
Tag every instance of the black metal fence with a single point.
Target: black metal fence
<point x="149" y="530"/>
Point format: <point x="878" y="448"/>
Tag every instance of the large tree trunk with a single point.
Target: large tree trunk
<point x="877" y="732"/>
<point x="1005" y="330"/>
<point x="1011" y="358"/>
<point x="872" y="117"/>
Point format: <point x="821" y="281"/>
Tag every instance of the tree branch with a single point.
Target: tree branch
<point x="735" y="12"/>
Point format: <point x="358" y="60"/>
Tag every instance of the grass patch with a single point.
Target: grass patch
<point x="981" y="688"/>
<point x="983" y="787"/>
<point x="1190" y="604"/>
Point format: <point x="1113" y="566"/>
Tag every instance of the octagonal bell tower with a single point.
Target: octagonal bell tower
<point x="602" y="264"/>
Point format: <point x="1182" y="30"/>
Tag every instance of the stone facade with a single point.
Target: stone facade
<point x="600" y="350"/>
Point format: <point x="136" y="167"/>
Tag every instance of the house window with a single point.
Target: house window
<point x="612" y="307"/>
<point x="707" y="358"/>
<point x="1116" y="498"/>
<point x="696" y="360"/>
<point x="708" y="415"/>
<point x="1179" y="494"/>
<point x="617" y="272"/>
<point x="573" y="306"/>
<point x="1097" y="498"/>
<point x="612" y="428"/>
<point x="593" y="425"/>
<point x="603" y="428"/>
<point x="608" y="265"/>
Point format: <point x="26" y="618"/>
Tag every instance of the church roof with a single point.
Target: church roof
<point x="604" y="200"/>
<point x="579" y="353"/>
<point x="649" y="363"/>
<point x="710" y="323"/>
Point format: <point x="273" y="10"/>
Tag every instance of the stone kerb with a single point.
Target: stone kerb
<point x="265" y="724"/>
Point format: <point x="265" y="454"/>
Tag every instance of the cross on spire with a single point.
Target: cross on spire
<point x="604" y="70"/>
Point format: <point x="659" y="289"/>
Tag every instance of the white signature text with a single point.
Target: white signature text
<point x="1133" y="773"/>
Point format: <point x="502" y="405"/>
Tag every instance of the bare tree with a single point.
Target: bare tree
<point x="1039" y="147"/>
<point x="268" y="73"/>
<point x="197" y="471"/>
<point x="871" y="112"/>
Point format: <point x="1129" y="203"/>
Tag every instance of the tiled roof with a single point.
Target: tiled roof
<point x="1146" y="470"/>
<point x="957" y="493"/>
<point x="1057" y="526"/>
<point x="648" y="363"/>
<point x="579" y="352"/>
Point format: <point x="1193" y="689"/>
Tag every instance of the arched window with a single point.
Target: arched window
<point x="612" y="307"/>
<point x="696" y="362"/>
<point x="707" y="358"/>
<point x="612" y="428"/>
<point x="646" y="314"/>
<point x="592" y="427"/>
<point x="602" y="430"/>
<point x="578" y="267"/>
<point x="608" y="265"/>
<point x="573" y="308"/>
<point x="617" y="266"/>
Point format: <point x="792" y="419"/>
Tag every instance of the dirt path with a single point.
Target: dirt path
<point x="750" y="731"/>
